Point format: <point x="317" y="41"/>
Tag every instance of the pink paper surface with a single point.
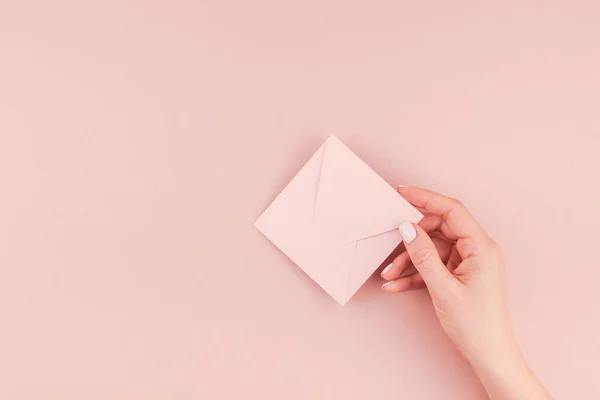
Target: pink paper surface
<point x="140" y="140"/>
<point x="337" y="219"/>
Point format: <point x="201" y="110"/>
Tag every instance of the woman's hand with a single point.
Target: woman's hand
<point x="463" y="269"/>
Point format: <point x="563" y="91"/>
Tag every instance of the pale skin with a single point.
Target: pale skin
<point x="462" y="267"/>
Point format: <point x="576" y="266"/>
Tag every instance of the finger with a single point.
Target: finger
<point x="397" y="267"/>
<point x="443" y="247"/>
<point x="460" y="222"/>
<point x="426" y="259"/>
<point x="435" y="223"/>
<point x="402" y="262"/>
<point x="404" y="284"/>
<point x="469" y="247"/>
<point x="454" y="260"/>
<point x="414" y="281"/>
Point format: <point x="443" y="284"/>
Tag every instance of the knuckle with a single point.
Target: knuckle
<point x="455" y="205"/>
<point x="467" y="247"/>
<point x="494" y="253"/>
<point x="422" y="255"/>
<point x="496" y="249"/>
<point x="493" y="245"/>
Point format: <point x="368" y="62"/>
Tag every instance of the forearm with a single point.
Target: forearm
<point x="463" y="270"/>
<point x="508" y="377"/>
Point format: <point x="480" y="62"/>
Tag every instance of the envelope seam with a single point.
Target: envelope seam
<point x="373" y="235"/>
<point x="319" y="180"/>
<point x="351" y="270"/>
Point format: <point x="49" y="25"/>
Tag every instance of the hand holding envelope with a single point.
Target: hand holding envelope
<point x="337" y="220"/>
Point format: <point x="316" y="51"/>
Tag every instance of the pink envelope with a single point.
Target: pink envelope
<point x="337" y="220"/>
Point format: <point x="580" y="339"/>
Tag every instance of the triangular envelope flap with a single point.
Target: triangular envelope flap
<point x="352" y="200"/>
<point x="288" y="221"/>
<point x="368" y="255"/>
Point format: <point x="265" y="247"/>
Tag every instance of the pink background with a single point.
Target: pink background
<point x="139" y="141"/>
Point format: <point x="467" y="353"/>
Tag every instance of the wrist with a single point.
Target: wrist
<point x="495" y="354"/>
<point x="501" y="361"/>
<point x="506" y="375"/>
<point x="490" y="348"/>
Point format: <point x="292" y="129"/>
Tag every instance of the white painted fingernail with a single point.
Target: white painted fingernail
<point x="386" y="269"/>
<point x="407" y="231"/>
<point x="386" y="284"/>
<point x="401" y="186"/>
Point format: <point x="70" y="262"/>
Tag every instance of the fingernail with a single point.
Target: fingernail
<point x="386" y="269"/>
<point x="401" y="186"/>
<point x="386" y="284"/>
<point x="407" y="231"/>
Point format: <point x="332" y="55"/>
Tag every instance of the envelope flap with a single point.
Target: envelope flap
<point x="352" y="201"/>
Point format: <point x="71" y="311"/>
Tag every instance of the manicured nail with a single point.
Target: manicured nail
<point x="401" y="186"/>
<point x="386" y="269"/>
<point x="386" y="284"/>
<point x="407" y="231"/>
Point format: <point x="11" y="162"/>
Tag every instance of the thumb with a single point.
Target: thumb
<point x="426" y="258"/>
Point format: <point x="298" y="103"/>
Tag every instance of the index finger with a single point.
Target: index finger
<point x="458" y="219"/>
